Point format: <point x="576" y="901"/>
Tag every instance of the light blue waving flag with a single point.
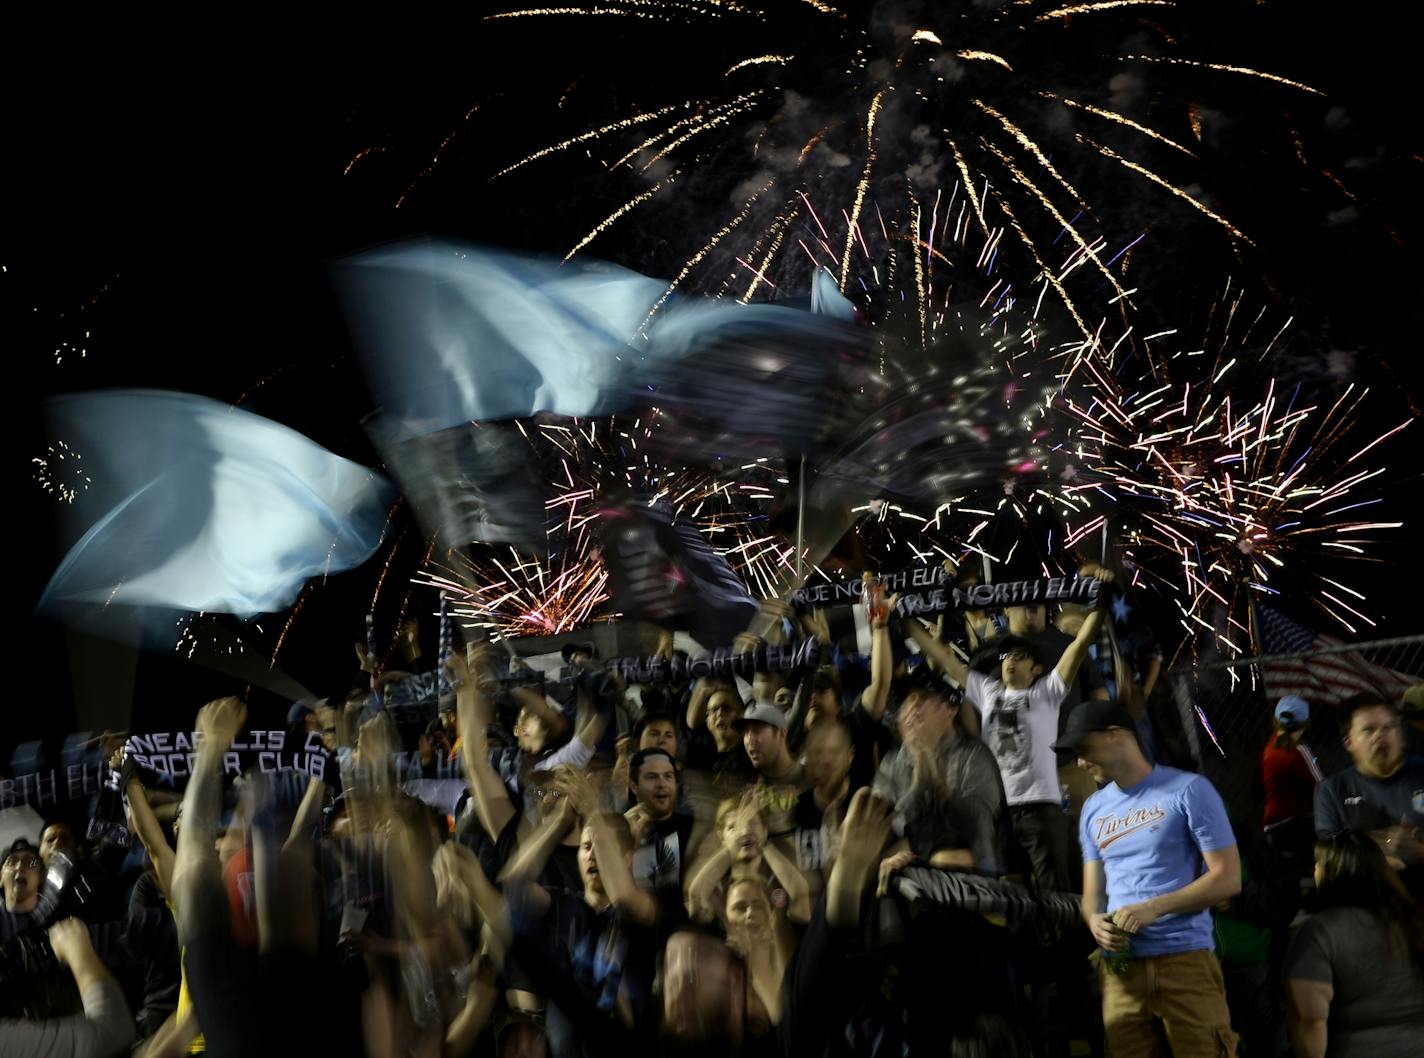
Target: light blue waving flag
<point x="197" y="506"/>
<point x="450" y="333"/>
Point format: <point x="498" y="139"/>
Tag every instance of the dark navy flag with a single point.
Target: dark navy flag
<point x="475" y="482"/>
<point x="662" y="570"/>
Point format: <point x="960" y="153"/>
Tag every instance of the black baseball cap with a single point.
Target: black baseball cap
<point x="570" y="649"/>
<point x="18" y="846"/>
<point x="1091" y="716"/>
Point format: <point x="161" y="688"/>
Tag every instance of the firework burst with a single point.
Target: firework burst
<point x="586" y="464"/>
<point x="59" y="473"/>
<point x="1234" y="488"/>
<point x="878" y="106"/>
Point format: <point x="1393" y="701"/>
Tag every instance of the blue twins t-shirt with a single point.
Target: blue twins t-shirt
<point x="1150" y="839"/>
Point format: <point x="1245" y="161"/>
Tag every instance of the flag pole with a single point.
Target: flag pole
<point x="800" y="518"/>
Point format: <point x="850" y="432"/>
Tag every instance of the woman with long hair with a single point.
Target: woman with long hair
<point x="1355" y="969"/>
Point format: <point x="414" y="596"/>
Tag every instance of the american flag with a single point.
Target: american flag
<point x="1324" y="678"/>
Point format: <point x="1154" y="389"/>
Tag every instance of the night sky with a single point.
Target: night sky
<point x="171" y="209"/>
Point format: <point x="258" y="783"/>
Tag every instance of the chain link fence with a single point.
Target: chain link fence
<point x="1218" y="715"/>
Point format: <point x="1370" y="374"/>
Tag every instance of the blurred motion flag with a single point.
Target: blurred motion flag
<point x="1334" y="673"/>
<point x="472" y="482"/>
<point x="663" y="571"/>
<point x="451" y="333"/>
<point x="198" y="506"/>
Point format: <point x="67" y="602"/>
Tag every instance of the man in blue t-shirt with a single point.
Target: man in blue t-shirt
<point x="1158" y="854"/>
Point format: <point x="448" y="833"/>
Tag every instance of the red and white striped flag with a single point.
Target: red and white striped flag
<point x="1323" y="678"/>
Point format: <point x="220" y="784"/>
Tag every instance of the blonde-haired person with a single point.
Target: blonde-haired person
<point x="758" y="930"/>
<point x="743" y="851"/>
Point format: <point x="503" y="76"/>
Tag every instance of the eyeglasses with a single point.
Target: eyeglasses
<point x="13" y="864"/>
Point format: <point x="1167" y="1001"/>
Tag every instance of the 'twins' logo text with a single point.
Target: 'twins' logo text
<point x="1112" y="827"/>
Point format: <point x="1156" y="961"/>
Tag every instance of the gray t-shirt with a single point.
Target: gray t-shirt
<point x="967" y="813"/>
<point x="1378" y="1008"/>
<point x="1349" y="800"/>
<point x="103" y="1030"/>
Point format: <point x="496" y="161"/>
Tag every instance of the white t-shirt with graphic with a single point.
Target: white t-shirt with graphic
<point x="1019" y="728"/>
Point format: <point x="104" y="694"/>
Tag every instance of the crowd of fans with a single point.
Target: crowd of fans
<point x="972" y="841"/>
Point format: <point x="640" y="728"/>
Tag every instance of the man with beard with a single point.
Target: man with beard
<point x="662" y="833"/>
<point x="1382" y="793"/>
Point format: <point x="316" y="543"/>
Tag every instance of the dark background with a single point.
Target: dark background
<point x="175" y="190"/>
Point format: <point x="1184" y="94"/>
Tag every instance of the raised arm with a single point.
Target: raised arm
<point x="697" y="703"/>
<point x="533" y="853"/>
<point x="104" y="1028"/>
<point x="465" y="1028"/>
<point x="307" y="821"/>
<point x="493" y="807"/>
<point x="950" y="663"/>
<point x="798" y="891"/>
<point x="863" y="836"/>
<point x="594" y="713"/>
<point x="1076" y="651"/>
<point x="218" y="722"/>
<point x="623" y="892"/>
<point x="882" y="663"/>
<point x="533" y="699"/>
<point x="702" y="886"/>
<point x="145" y="824"/>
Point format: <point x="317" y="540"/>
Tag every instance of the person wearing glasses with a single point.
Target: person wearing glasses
<point x="1382" y="794"/>
<point x="21" y="877"/>
<point x="1016" y="714"/>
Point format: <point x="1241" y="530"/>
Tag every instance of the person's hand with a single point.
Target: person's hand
<point x="638" y="822"/>
<point x="374" y="743"/>
<point x="479" y="656"/>
<point x="409" y="638"/>
<point x="778" y="608"/>
<point x="1108" y="935"/>
<point x="891" y="866"/>
<point x="864" y="832"/>
<point x="70" y="940"/>
<point x="746" y="642"/>
<point x="578" y="791"/>
<point x="351" y="943"/>
<point x="1136" y="917"/>
<point x="426" y="750"/>
<point x="924" y="763"/>
<point x="1401" y="845"/>
<point x="364" y="658"/>
<point x="220" y="721"/>
<point x="457" y="671"/>
<point x="1097" y="571"/>
<point x="815" y="622"/>
<point x="890" y="605"/>
<point x="619" y="776"/>
<point x="449" y="868"/>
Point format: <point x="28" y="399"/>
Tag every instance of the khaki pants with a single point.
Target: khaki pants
<point x="1167" y="1005"/>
